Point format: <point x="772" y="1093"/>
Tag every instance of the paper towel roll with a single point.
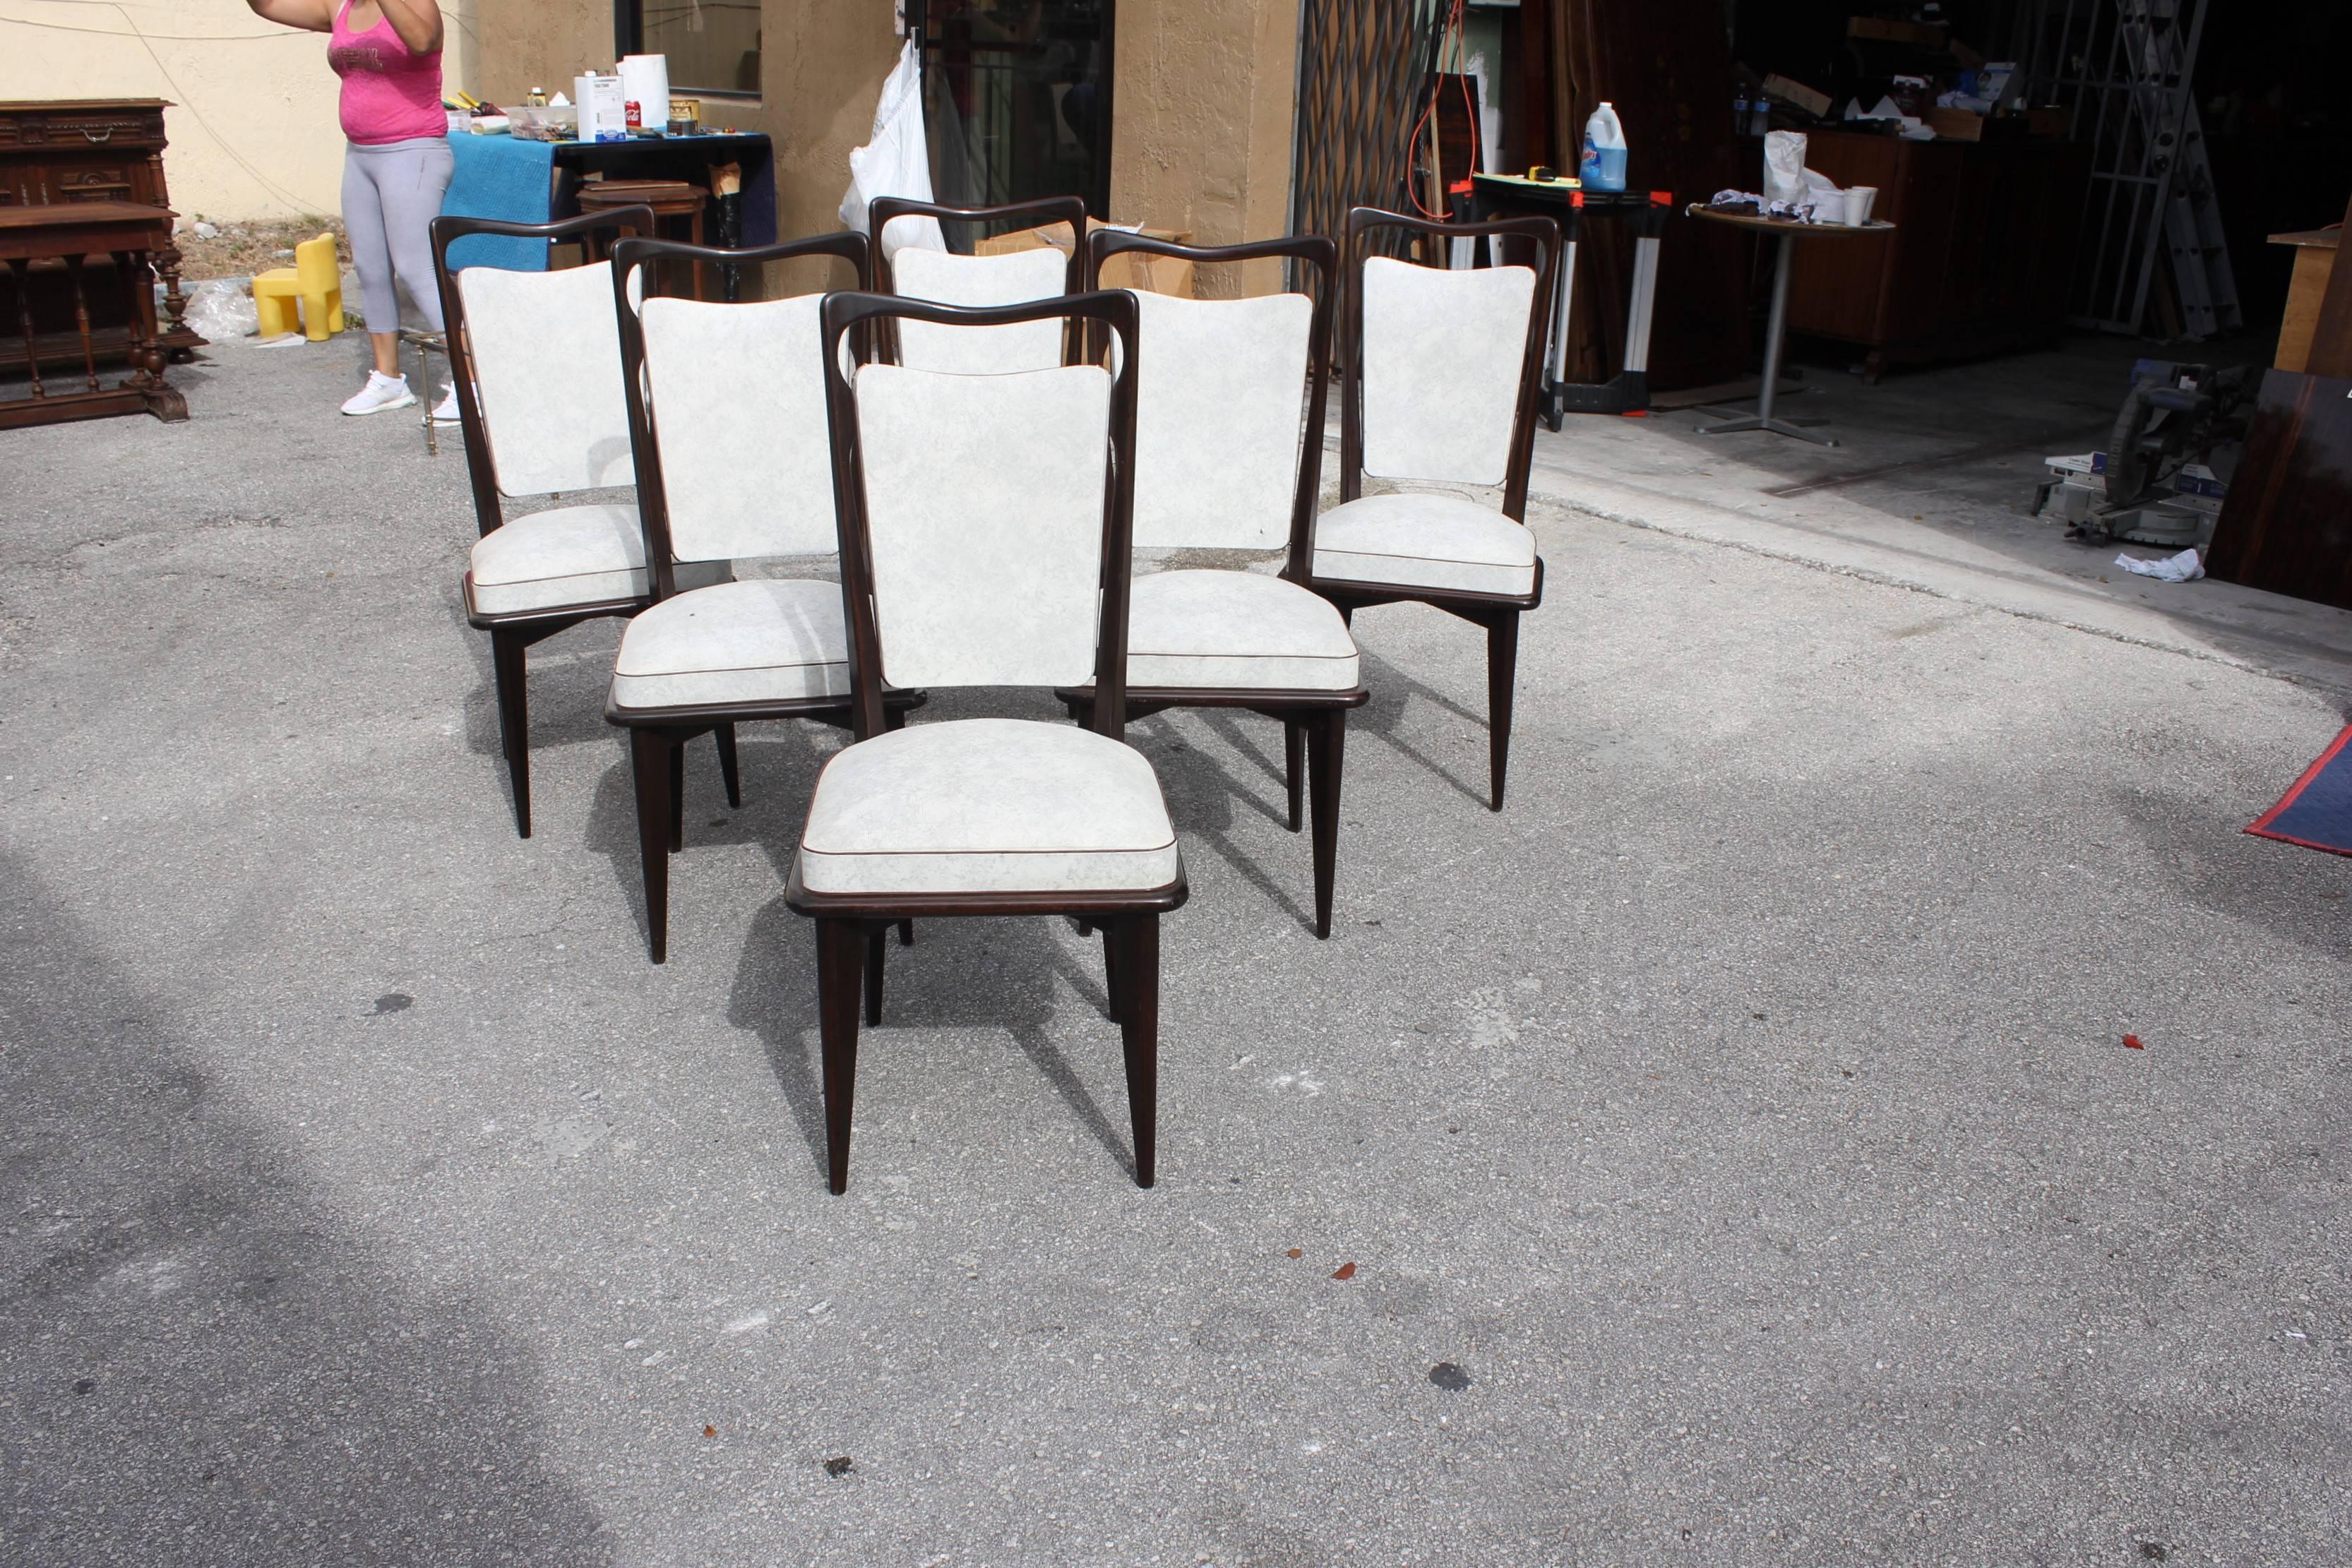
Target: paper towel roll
<point x="644" y="80"/>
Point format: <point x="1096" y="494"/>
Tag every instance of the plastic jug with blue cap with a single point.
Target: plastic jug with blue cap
<point x="1602" y="167"/>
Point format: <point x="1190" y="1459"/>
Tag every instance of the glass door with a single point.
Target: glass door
<point x="1016" y="100"/>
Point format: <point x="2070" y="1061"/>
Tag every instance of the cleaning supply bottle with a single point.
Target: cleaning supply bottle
<point x="1603" y="164"/>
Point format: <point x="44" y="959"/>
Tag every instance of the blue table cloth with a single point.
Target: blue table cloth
<point x="532" y="182"/>
<point x="499" y="177"/>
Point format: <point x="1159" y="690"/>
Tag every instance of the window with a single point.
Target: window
<point x="713" y="45"/>
<point x="1016" y="99"/>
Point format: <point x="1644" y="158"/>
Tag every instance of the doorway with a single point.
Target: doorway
<point x="1017" y="100"/>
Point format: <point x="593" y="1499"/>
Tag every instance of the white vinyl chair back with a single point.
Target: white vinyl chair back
<point x="984" y="503"/>
<point x="1014" y="279"/>
<point x="546" y="357"/>
<point x="1219" y="417"/>
<point x="736" y="398"/>
<point x="1442" y="354"/>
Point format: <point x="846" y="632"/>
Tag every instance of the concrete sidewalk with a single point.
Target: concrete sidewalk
<point x="1730" y="1149"/>
<point x="1930" y="489"/>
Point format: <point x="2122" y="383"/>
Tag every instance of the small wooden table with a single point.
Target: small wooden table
<point x="1776" y="332"/>
<point x="131" y="233"/>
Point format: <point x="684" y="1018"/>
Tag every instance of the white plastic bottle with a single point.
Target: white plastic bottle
<point x="1602" y="167"/>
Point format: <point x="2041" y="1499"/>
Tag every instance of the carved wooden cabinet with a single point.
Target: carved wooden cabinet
<point x="89" y="150"/>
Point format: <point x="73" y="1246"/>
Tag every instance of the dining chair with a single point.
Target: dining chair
<point x="727" y="423"/>
<point x="985" y="525"/>
<point x="1438" y="382"/>
<point x="536" y="357"/>
<point x="918" y="272"/>
<point x="1225" y="461"/>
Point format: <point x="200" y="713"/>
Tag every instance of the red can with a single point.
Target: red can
<point x="637" y="115"/>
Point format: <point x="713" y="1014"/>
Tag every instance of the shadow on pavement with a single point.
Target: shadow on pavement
<point x="199" y="1367"/>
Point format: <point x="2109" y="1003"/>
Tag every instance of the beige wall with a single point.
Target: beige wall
<point x="1202" y="101"/>
<point x="1202" y="121"/>
<point x="252" y="131"/>
<point x="821" y="64"/>
<point x="1200" y="140"/>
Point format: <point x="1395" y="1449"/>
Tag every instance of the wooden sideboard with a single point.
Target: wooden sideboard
<point x="89" y="149"/>
<point x="64" y="237"/>
<point x="1983" y="245"/>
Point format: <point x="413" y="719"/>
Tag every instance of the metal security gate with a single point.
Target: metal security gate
<point x="1358" y="64"/>
<point x="2123" y="68"/>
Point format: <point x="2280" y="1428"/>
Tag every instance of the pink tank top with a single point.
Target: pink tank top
<point x="390" y="92"/>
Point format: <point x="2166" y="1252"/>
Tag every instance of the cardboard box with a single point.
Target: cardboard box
<point x="1925" y="33"/>
<point x="1957" y="124"/>
<point x="1816" y="104"/>
<point x="1151" y="273"/>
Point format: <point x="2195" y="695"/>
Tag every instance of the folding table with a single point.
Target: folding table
<point x="1568" y="203"/>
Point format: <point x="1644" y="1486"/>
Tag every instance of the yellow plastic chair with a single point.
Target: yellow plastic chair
<point x="315" y="279"/>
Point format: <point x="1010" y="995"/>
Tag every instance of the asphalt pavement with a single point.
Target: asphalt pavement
<point x="1729" y="1153"/>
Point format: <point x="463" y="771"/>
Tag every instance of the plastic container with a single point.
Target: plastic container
<point x="545" y="123"/>
<point x="1603" y="164"/>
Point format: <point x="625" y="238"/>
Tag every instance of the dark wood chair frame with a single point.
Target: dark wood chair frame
<point x="1038" y="213"/>
<point x="658" y="736"/>
<point x="1314" y="723"/>
<point x="511" y="634"/>
<point x="850" y="928"/>
<point x="1497" y="612"/>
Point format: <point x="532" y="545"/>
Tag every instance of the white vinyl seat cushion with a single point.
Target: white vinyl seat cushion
<point x="1235" y="631"/>
<point x="572" y="555"/>
<point x="776" y="639"/>
<point x="988" y="805"/>
<point x="1422" y="540"/>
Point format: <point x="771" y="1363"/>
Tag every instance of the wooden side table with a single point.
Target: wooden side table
<point x="131" y="233"/>
<point x="1776" y="331"/>
<point x="671" y="200"/>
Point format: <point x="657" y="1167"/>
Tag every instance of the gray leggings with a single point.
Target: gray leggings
<point x="392" y="191"/>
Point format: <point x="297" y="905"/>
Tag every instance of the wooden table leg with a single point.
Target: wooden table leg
<point x="20" y="271"/>
<point x="164" y="401"/>
<point x="74" y="265"/>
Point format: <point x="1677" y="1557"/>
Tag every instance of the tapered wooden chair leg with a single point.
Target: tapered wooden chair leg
<point x="876" y="945"/>
<point x="649" y="755"/>
<point x="1113" y="999"/>
<point x="840" y="957"/>
<point x="1139" y="1034"/>
<point x="677" y="794"/>
<point x="725" y="734"/>
<point x="1502" y="671"/>
<point x="1294" y="760"/>
<point x="1327" y="745"/>
<point x="906" y="933"/>
<point x="507" y="663"/>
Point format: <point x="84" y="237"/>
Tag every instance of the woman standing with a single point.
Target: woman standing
<point x="395" y="169"/>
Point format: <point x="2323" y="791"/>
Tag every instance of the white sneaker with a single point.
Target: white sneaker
<point x="446" y="410"/>
<point x="382" y="393"/>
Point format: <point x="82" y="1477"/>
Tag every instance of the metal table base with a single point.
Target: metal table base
<point x="1776" y="332"/>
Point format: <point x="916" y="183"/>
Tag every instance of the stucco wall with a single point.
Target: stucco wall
<point x="252" y="131"/>
<point x="821" y="64"/>
<point x="1200" y="141"/>
<point x="1201" y="119"/>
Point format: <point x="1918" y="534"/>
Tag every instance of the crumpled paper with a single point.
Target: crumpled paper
<point x="2186" y="567"/>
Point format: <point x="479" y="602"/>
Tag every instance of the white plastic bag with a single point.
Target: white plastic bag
<point x="221" y="308"/>
<point x="2186" y="567"/>
<point x="1784" y="168"/>
<point x="896" y="161"/>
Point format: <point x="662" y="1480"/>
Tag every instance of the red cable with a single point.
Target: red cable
<point x="1436" y="157"/>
